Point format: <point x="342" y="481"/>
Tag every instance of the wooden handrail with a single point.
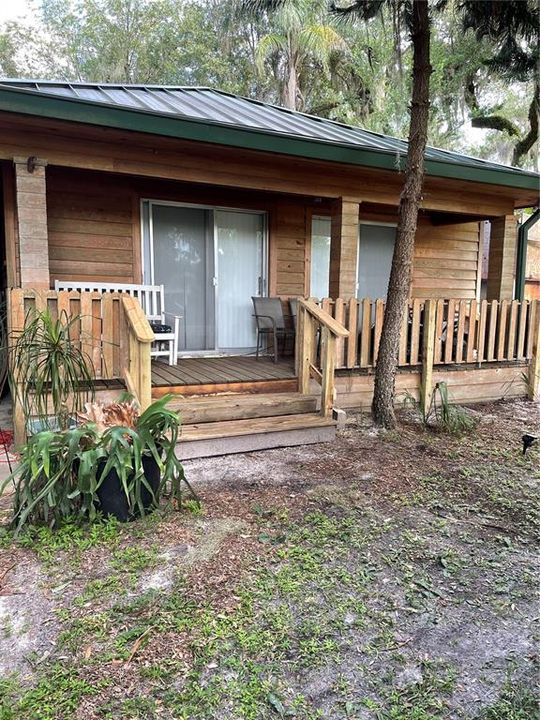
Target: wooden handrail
<point x="324" y="318"/>
<point x="138" y="373"/>
<point x="137" y="320"/>
<point x="310" y="319"/>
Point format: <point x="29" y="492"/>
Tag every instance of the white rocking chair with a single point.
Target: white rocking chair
<point x="152" y="300"/>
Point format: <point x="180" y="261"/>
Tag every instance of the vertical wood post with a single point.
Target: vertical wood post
<point x="502" y="258"/>
<point x="534" y="362"/>
<point x="428" y="352"/>
<point x="15" y="322"/>
<point x="344" y="249"/>
<point x="145" y="376"/>
<point x="328" y="365"/>
<point x="31" y="201"/>
<point x="306" y="341"/>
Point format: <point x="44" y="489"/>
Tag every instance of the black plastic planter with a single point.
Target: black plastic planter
<point x="111" y="495"/>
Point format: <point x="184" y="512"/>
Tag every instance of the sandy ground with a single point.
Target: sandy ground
<point x="383" y="576"/>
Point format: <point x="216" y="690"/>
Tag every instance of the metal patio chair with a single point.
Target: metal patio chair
<point x="293" y="304"/>
<point x="270" y="322"/>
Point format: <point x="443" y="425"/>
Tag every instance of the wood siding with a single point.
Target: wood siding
<point x="91" y="228"/>
<point x="94" y="233"/>
<point x="446" y="261"/>
<point x="464" y="386"/>
<point x="289" y="229"/>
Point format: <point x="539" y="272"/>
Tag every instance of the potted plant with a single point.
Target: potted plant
<point x="116" y="462"/>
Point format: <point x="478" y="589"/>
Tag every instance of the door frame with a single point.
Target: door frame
<point x="213" y="231"/>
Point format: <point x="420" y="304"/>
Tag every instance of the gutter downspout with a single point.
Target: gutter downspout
<point x="522" y="240"/>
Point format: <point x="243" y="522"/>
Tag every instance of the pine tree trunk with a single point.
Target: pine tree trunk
<point x="411" y="195"/>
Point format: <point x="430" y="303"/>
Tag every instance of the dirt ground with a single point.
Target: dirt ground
<point x="386" y="576"/>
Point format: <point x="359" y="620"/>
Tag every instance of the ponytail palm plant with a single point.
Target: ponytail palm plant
<point x="50" y="374"/>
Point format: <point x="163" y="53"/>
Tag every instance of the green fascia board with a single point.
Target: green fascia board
<point x="26" y="102"/>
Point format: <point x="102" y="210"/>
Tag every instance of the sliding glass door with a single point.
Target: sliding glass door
<point x="211" y="263"/>
<point x="240" y="274"/>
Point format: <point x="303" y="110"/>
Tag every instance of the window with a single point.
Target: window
<point x="320" y="256"/>
<point x="376" y="248"/>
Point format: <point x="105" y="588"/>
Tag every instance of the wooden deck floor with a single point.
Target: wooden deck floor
<point x="214" y="374"/>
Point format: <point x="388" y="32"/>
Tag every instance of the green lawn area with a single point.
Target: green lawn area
<point x="387" y="576"/>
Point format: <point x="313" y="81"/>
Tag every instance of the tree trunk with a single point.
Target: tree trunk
<point x="291" y="87"/>
<point x="411" y="195"/>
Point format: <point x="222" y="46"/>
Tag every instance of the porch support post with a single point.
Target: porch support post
<point x="31" y="204"/>
<point x="502" y="258"/>
<point x="344" y="249"/>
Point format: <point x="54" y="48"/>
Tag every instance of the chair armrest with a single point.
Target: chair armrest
<point x="268" y="317"/>
<point x="172" y="315"/>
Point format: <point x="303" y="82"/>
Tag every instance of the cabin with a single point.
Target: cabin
<point x="221" y="199"/>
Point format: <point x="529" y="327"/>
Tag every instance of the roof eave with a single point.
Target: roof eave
<point x="26" y="102"/>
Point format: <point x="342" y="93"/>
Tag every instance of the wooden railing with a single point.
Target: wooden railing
<point x="110" y="328"/>
<point x="467" y="331"/>
<point x="317" y="335"/>
<point x="138" y="372"/>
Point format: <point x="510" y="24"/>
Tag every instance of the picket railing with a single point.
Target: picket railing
<point x="110" y="328"/>
<point x="98" y="324"/>
<point x="466" y="331"/>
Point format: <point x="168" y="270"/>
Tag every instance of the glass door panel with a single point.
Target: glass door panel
<point x="240" y="275"/>
<point x="183" y="261"/>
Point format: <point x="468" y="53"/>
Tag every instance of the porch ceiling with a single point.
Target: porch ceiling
<point x="204" y="115"/>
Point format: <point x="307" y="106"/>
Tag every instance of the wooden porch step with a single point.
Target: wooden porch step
<point x="239" y="436"/>
<point x="216" y="408"/>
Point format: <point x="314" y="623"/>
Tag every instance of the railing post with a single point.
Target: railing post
<point x="138" y="372"/>
<point x="306" y="349"/>
<point x="534" y="362"/>
<point x="145" y="376"/>
<point x="428" y="351"/>
<point x="328" y="365"/>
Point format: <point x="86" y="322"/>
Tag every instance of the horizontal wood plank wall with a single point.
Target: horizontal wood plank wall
<point x="288" y="238"/>
<point x="94" y="232"/>
<point x="464" y="386"/>
<point x="445" y="261"/>
<point x="91" y="227"/>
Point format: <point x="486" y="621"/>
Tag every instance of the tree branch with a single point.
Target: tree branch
<point x="496" y="122"/>
<point x="525" y="144"/>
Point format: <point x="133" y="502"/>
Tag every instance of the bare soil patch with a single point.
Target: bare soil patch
<point x="387" y="576"/>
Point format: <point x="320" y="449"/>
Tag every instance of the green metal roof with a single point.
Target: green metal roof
<point x="203" y="114"/>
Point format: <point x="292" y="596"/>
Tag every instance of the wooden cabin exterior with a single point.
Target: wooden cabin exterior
<point x="87" y="178"/>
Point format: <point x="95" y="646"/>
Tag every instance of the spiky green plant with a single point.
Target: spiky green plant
<point x="441" y="413"/>
<point x="48" y="369"/>
<point x="60" y="472"/>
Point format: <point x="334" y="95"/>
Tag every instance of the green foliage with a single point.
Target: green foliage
<point x="50" y="374"/>
<point x="60" y="473"/>
<point x="515" y="703"/>
<point x="57" y="695"/>
<point x="441" y="413"/>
